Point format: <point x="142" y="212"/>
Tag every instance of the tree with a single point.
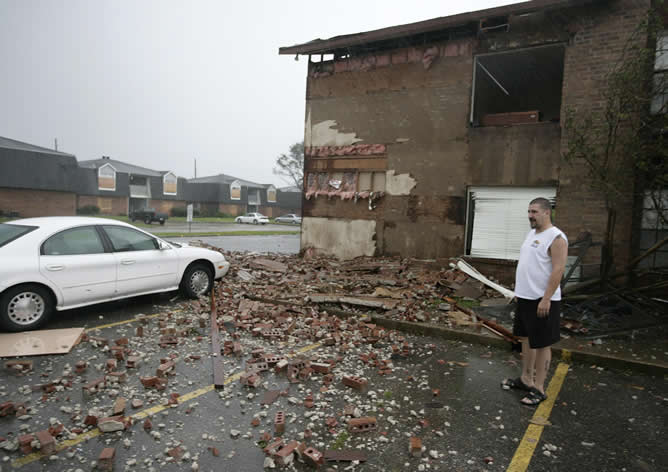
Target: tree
<point x="624" y="141"/>
<point x="291" y="166"/>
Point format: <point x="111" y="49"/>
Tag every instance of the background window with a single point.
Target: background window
<point x="73" y="241"/>
<point x="127" y="239"/>
<point x="271" y="194"/>
<point x="169" y="184"/>
<point x="235" y="191"/>
<point x="106" y="177"/>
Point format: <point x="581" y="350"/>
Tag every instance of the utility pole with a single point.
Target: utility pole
<point x="195" y="167"/>
<point x="56" y="143"/>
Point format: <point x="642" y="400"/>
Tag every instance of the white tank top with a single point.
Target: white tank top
<point x="535" y="265"/>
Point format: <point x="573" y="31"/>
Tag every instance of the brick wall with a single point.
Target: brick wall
<point x="420" y="114"/>
<point x="30" y="203"/>
<point x="107" y="205"/>
<point x="230" y="209"/>
<point x="599" y="36"/>
<point x="165" y="206"/>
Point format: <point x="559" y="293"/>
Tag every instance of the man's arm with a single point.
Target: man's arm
<point x="559" y="254"/>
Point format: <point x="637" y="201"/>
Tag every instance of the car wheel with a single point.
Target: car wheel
<point x="147" y="220"/>
<point x="237" y="221"/>
<point x="197" y="280"/>
<point x="254" y="222"/>
<point x="162" y="222"/>
<point x="25" y="307"/>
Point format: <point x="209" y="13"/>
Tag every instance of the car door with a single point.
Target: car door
<point x="78" y="263"/>
<point x="141" y="265"/>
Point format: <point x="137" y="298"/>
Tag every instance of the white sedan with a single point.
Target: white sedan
<point x="59" y="263"/>
<point x="255" y="218"/>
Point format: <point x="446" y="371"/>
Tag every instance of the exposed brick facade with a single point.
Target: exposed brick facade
<point x="30" y="203"/>
<point x="416" y="104"/>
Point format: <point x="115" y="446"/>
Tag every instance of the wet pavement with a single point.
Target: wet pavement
<point x="447" y="393"/>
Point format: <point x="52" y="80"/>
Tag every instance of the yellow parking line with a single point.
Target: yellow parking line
<point x="525" y="450"/>
<point x="139" y="415"/>
<point x="132" y="320"/>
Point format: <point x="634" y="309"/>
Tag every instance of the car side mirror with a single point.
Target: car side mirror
<point x="163" y="245"/>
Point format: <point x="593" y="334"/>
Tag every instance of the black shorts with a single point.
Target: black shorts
<point x="542" y="332"/>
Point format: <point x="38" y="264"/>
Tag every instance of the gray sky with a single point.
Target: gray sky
<point x="158" y="83"/>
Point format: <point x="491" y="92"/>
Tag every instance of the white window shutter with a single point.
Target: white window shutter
<point x="500" y="221"/>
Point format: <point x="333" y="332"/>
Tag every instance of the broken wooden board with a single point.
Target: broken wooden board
<point x="39" y="343"/>
<point x="268" y="264"/>
<point x="371" y="302"/>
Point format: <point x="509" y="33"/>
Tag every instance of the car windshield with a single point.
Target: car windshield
<point x="9" y="233"/>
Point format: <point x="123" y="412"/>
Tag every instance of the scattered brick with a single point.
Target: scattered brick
<point x="279" y="422"/>
<point x="47" y="444"/>
<point x="362" y="425"/>
<point x="106" y="459"/>
<point x="357" y="383"/>
<point x="415" y="446"/>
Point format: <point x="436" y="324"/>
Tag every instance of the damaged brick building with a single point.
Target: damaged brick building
<point x="429" y="139"/>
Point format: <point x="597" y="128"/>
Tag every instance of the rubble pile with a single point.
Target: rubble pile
<point x="394" y="288"/>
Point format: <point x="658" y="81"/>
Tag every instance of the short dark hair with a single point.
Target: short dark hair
<point x="544" y="203"/>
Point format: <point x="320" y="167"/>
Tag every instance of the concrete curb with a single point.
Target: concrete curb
<point x="558" y="352"/>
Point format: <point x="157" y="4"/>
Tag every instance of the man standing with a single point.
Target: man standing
<point x="539" y="272"/>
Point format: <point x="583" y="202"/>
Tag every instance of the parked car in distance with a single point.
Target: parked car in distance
<point x="62" y="262"/>
<point x="254" y="218"/>
<point x="289" y="218"/>
<point x="148" y="215"/>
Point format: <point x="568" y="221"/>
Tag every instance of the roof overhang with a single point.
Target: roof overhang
<point x="337" y="43"/>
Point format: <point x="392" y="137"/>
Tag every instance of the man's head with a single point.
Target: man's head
<point x="540" y="213"/>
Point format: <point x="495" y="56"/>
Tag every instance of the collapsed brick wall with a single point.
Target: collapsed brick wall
<point x="415" y="102"/>
<point x="31" y="203"/>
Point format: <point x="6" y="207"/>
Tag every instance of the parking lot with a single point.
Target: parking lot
<point x="429" y="403"/>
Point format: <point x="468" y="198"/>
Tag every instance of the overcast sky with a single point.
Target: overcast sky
<point x="159" y="83"/>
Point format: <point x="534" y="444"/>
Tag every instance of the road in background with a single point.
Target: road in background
<point x="174" y="227"/>
<point x="282" y="244"/>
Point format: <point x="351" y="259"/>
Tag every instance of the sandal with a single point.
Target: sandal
<point x="533" y="398"/>
<point x="517" y="383"/>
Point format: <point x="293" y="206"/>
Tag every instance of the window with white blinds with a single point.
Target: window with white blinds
<point x="498" y="219"/>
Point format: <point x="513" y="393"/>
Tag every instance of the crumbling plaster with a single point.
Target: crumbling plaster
<point x="345" y="239"/>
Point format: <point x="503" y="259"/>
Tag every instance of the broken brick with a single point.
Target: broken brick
<point x="279" y="422"/>
<point x="47" y="444"/>
<point x="415" y="446"/>
<point x="357" y="383"/>
<point x="313" y="457"/>
<point x="362" y="425"/>
<point x="106" y="459"/>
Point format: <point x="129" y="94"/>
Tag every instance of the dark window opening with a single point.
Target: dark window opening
<point x="518" y="87"/>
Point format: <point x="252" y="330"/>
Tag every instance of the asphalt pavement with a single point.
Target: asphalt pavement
<point x="174" y="227"/>
<point x="445" y="392"/>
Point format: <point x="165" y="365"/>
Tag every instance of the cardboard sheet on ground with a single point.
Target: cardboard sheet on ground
<point x="37" y="343"/>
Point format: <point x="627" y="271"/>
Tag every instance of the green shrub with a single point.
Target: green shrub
<point x="88" y="210"/>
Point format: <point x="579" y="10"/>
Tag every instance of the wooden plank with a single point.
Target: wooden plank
<point x="346" y="163"/>
<point x="39" y="343"/>
<point x="216" y="360"/>
<point x="512" y="118"/>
